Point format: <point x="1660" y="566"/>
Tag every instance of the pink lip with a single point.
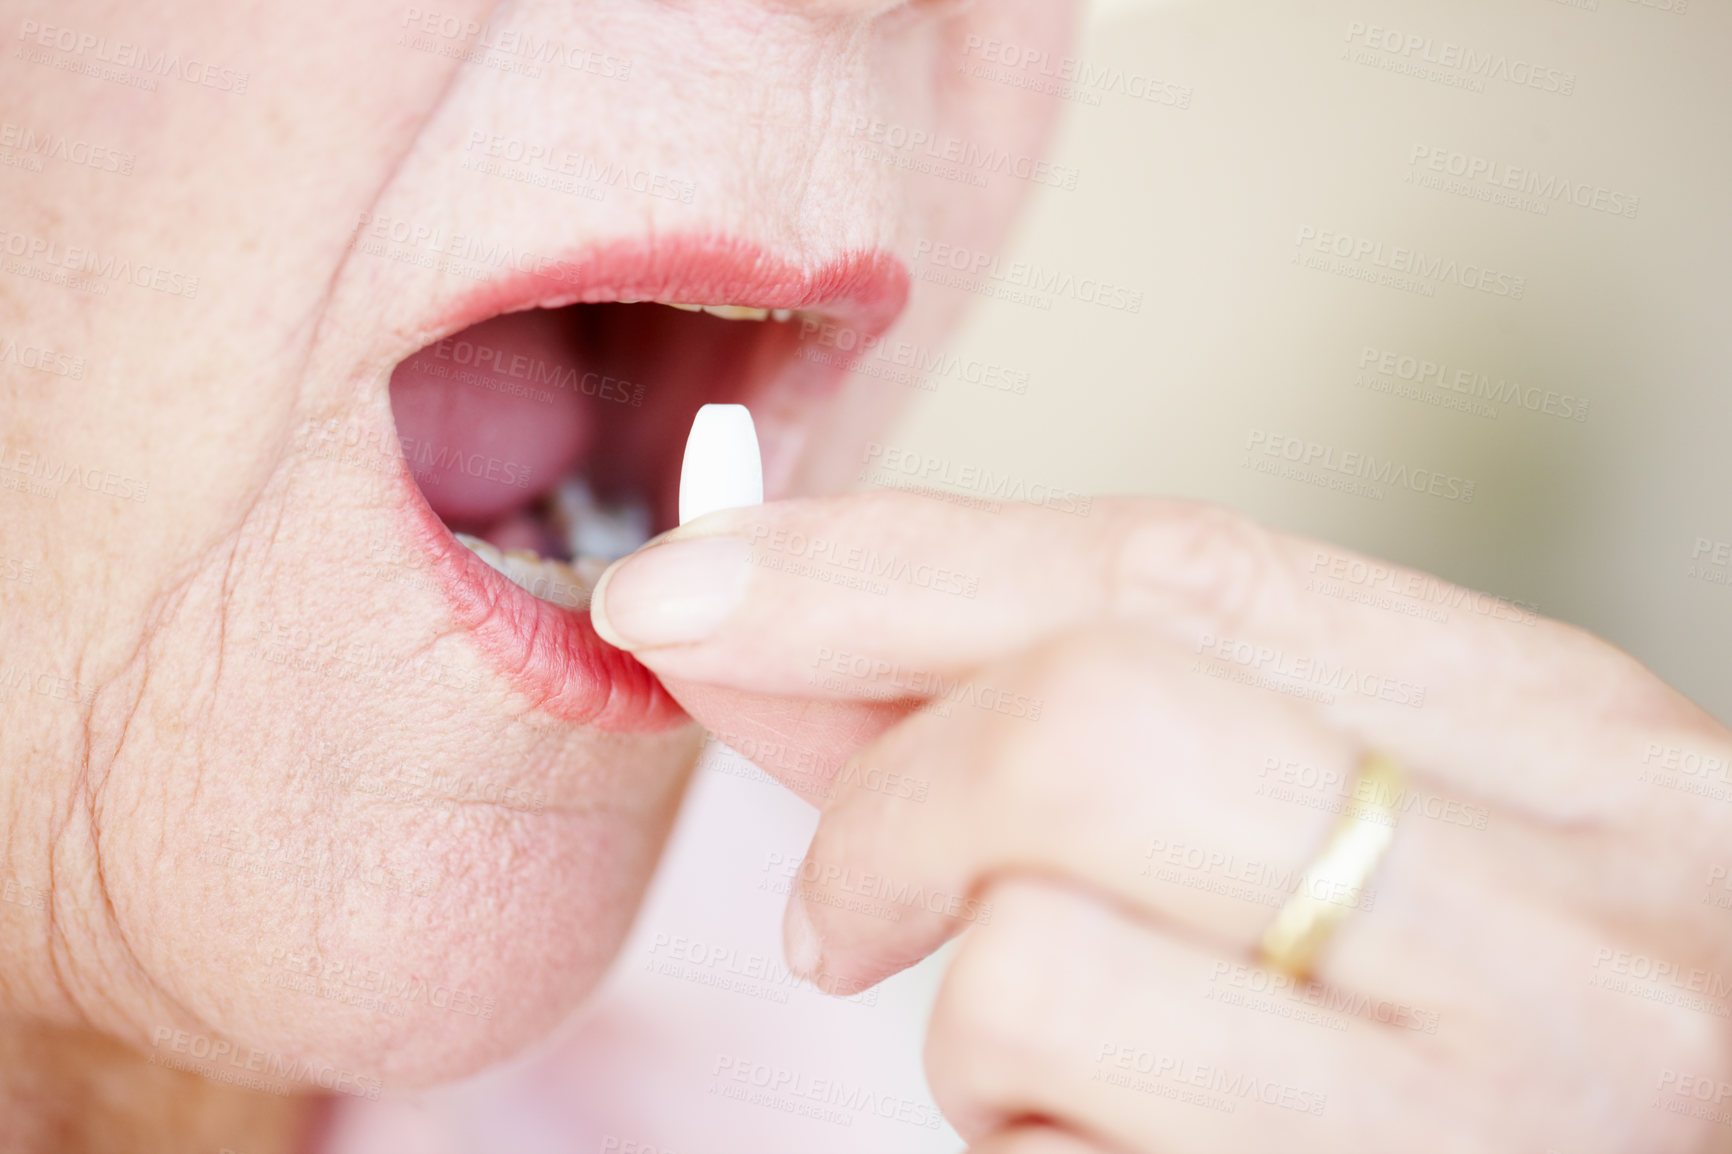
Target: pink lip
<point x="553" y="655"/>
<point x="865" y="291"/>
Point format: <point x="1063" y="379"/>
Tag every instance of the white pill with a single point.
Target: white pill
<point x="722" y="468"/>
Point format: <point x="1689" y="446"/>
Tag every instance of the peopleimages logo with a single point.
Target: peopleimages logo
<point x="1317" y="671"/>
<point x="1490" y="177"/>
<point x="1068" y="77"/>
<point x="1471" y="383"/>
<point x="533" y="157"/>
<point x="1365" y="255"/>
<point x="87" y="46"/>
<point x="1417" y="49"/>
<point x="987" y="159"/>
<point x="1237" y="984"/>
<point x="41" y="358"/>
<point x="480" y="41"/>
<point x="488" y="359"/>
<point x="203" y="1052"/>
<point x="1368" y="469"/>
<point x="787" y="1089"/>
<point x="436" y="247"/>
<point x="820" y="883"/>
<point x="887" y="463"/>
<point x="1647" y="969"/>
<point x="1692" y="1086"/>
<point x="72" y="150"/>
<point x="88" y="265"/>
<point x="53" y="475"/>
<point x="1116" y="1063"/>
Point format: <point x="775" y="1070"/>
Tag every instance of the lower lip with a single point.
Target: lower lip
<point x="553" y="655"/>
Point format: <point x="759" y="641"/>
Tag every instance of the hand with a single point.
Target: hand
<point x="1108" y="746"/>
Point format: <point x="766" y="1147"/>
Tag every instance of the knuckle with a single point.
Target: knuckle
<point x="1616" y="686"/>
<point x="985" y="1055"/>
<point x="1202" y="565"/>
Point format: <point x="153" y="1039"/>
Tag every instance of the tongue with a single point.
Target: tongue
<point x="486" y="419"/>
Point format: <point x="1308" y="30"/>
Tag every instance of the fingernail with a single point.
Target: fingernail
<point x="675" y="593"/>
<point x="722" y="468"/>
<point x="681" y="591"/>
<point x="800" y="937"/>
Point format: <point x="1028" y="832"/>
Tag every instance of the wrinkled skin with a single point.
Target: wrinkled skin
<point x="206" y="656"/>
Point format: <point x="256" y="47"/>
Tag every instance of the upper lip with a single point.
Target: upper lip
<point x="551" y="654"/>
<point x="864" y="291"/>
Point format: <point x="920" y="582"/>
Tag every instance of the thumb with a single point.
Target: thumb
<point x="803" y="743"/>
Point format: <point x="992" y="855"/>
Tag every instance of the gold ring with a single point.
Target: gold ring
<point x="1335" y="883"/>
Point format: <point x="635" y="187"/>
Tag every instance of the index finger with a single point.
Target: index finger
<point x="760" y="598"/>
<point x="888" y="595"/>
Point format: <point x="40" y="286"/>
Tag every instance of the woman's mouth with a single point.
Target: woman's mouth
<point x="543" y="429"/>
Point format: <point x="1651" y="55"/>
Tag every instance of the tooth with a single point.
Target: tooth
<point x="551" y="581"/>
<point x="781" y="316"/>
<point x="589" y="570"/>
<point x="737" y="312"/>
<point x="483" y="550"/>
<point x="723" y="468"/>
<point x="590" y="528"/>
<point x="726" y="312"/>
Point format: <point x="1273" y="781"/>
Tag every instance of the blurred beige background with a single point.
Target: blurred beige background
<point x="1593" y="521"/>
<point x="1267" y="124"/>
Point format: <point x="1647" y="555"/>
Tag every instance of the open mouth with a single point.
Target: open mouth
<point x="544" y="439"/>
<point x="545" y="436"/>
